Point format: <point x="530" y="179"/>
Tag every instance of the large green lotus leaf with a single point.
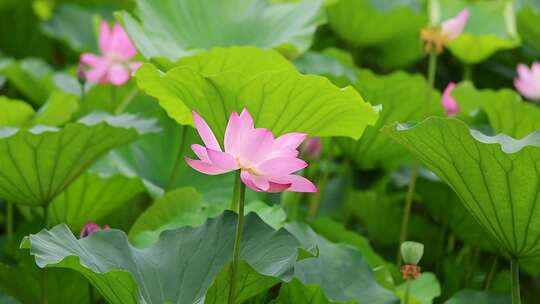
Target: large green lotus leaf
<point x="15" y="113"/>
<point x="478" y="297"/>
<point x="179" y="268"/>
<point x="336" y="232"/>
<point x="326" y="65"/>
<point x="371" y="22"/>
<point x="281" y="99"/>
<point x="491" y="27"/>
<point x="288" y="27"/>
<point x="446" y="208"/>
<point x="31" y="76"/>
<point x="61" y="26"/>
<point x="402" y="97"/>
<point x="340" y="270"/>
<point x="186" y="207"/>
<point x="57" y="110"/>
<point x="295" y="292"/>
<point x="423" y="290"/>
<point x="528" y="16"/>
<point x="506" y="111"/>
<point x="249" y="284"/>
<point x="39" y="163"/>
<point x="23" y="282"/>
<point x="496" y="178"/>
<point x="90" y="198"/>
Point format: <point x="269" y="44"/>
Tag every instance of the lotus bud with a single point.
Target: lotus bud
<point x="91" y="228"/>
<point x="81" y="76"/>
<point x="312" y="148"/>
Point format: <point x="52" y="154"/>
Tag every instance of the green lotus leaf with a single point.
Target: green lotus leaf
<point x="478" y="297"/>
<point x="506" y="111"/>
<point x="179" y="268"/>
<point x="340" y="270"/>
<point x="496" y="177"/>
<point x="15" y="113"/>
<point x="371" y="22"/>
<point x="423" y="290"/>
<point x="40" y="162"/>
<point x="186" y="207"/>
<point x="491" y="27"/>
<point x="281" y="99"/>
<point x="446" y="208"/>
<point x="287" y="27"/>
<point x="528" y="16"/>
<point x="90" y="198"/>
<point x="295" y="292"/>
<point x="22" y="281"/>
<point x="336" y="232"/>
<point x="81" y="37"/>
<point x="402" y="97"/>
<point x="31" y="76"/>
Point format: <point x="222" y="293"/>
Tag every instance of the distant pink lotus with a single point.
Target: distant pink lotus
<point x="449" y="103"/>
<point x="312" y="148"/>
<point x="528" y="81"/>
<point x="267" y="164"/>
<point x="115" y="65"/>
<point x="90" y="228"/>
<point x="453" y="27"/>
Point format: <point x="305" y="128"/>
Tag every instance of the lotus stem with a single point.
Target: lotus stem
<point x="126" y="101"/>
<point x="514" y="269"/>
<point x="315" y="201"/>
<point x="44" y="279"/>
<point x="9" y="225"/>
<point x="467" y="72"/>
<point x="112" y="101"/>
<point x="432" y="69"/>
<point x="407" y="292"/>
<point x="240" y="200"/>
<point x="491" y="274"/>
<point x="407" y="210"/>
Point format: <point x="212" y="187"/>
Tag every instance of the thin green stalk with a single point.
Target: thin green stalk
<point x="178" y="162"/>
<point x="514" y="269"/>
<point x="112" y="101"/>
<point x="9" y="225"/>
<point x="82" y="93"/>
<point x="126" y="101"/>
<point x="237" y="241"/>
<point x="315" y="201"/>
<point x="407" y="210"/>
<point x="44" y="276"/>
<point x="236" y="192"/>
<point x="90" y="294"/>
<point x="407" y="292"/>
<point x="432" y="69"/>
<point x="467" y="72"/>
<point x="472" y="266"/>
<point x="491" y="274"/>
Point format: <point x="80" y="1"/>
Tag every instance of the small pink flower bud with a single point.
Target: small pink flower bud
<point x="90" y="228"/>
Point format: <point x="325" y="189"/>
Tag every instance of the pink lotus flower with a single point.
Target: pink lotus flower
<point x="312" y="148"/>
<point x="449" y="103"/>
<point x="114" y="66"/>
<point x="267" y="164"/>
<point x="90" y="228"/>
<point x="528" y="80"/>
<point x="453" y="27"/>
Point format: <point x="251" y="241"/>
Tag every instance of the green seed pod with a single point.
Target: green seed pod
<point x="412" y="252"/>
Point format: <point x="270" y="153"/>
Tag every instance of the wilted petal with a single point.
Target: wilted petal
<point x="453" y="27"/>
<point x="205" y="132"/>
